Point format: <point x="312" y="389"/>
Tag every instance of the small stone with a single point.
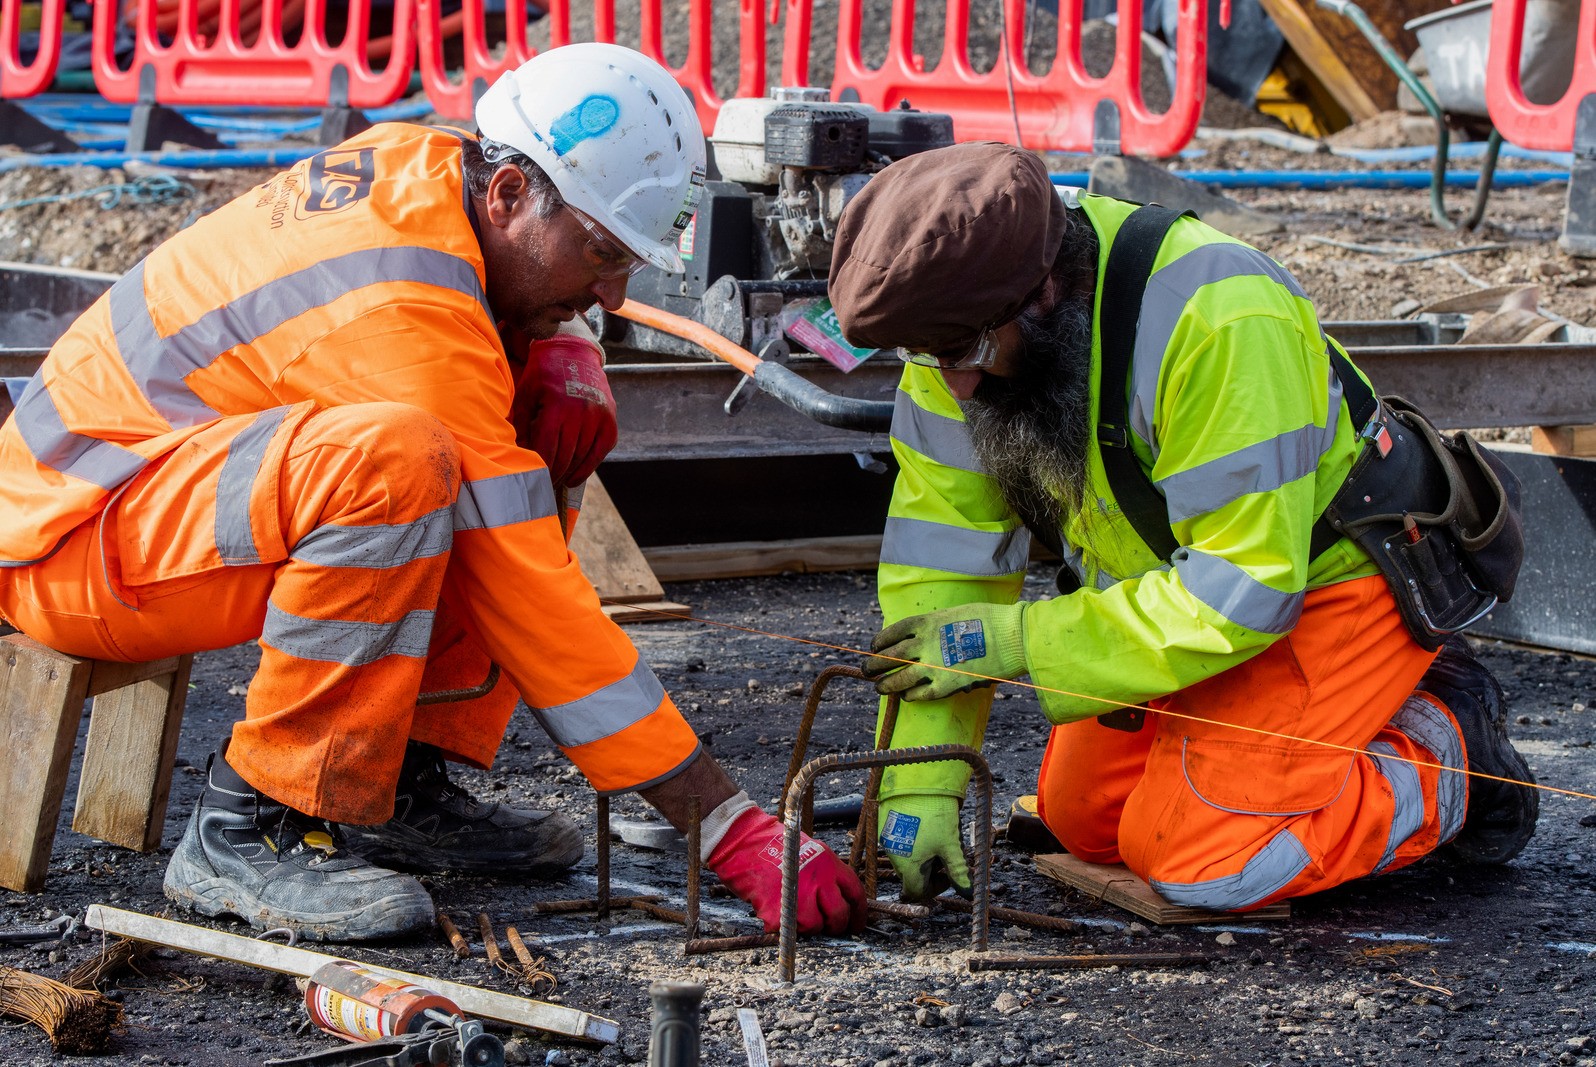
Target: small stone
<point x="1227" y="939"/>
<point x="1007" y="1004"/>
<point x="954" y="1014"/>
<point x="1137" y="930"/>
<point x="1403" y="308"/>
<point x="927" y="1016"/>
<point x="753" y="684"/>
<point x="1522" y="720"/>
<point x="1366" y="1007"/>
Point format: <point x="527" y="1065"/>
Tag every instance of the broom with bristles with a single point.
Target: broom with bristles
<point x="78" y="1022"/>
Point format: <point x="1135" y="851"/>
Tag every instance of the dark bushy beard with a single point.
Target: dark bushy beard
<point x="1031" y="431"/>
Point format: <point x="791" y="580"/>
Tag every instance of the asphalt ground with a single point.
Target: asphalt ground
<point x="1435" y="963"/>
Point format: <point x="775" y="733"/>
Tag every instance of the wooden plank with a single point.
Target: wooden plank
<point x="1116" y="884"/>
<point x="41" y="703"/>
<point x="127" y="760"/>
<point x="109" y="674"/>
<point x="1564" y="440"/>
<point x="746" y="559"/>
<point x="649" y="611"/>
<point x="608" y="552"/>
<point x="285" y="959"/>
<point x="1322" y="57"/>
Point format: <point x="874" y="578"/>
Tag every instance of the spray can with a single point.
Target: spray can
<point x="357" y="1004"/>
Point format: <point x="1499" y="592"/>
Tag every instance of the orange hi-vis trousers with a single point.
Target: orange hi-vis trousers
<point x="1309" y="765"/>
<point x="324" y="532"/>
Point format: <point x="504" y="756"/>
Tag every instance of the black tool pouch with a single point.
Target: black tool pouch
<point x="1440" y="516"/>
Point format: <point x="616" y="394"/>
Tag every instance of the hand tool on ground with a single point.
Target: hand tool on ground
<point x="300" y="962"/>
<point x="61" y="928"/>
<point x="444" y="1042"/>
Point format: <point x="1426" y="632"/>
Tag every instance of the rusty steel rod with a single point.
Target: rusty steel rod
<point x="803" y="782"/>
<point x="490" y="942"/>
<point x="695" y="842"/>
<point x="602" y="849"/>
<point x="806" y="724"/>
<point x="1071" y="963"/>
<point x="1018" y="918"/>
<point x="670" y="915"/>
<point x="898" y="910"/>
<point x="864" y="836"/>
<point x="451" y="696"/>
<point x="461" y="948"/>
<point x="702" y="946"/>
<point x="559" y="907"/>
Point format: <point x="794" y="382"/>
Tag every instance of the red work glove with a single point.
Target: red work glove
<point x="748" y="862"/>
<point x="563" y="409"/>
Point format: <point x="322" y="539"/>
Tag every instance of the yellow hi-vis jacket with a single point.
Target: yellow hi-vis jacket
<point x="1238" y="419"/>
<point x="355" y="276"/>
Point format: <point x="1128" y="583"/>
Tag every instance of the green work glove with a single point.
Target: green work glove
<point x="920" y="833"/>
<point x="973" y="639"/>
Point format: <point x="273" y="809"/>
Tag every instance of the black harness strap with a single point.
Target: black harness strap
<point x="1130" y="265"/>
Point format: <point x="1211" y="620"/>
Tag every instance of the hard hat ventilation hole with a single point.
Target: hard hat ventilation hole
<point x="668" y="121"/>
<point x="678" y="142"/>
<point x="652" y="98"/>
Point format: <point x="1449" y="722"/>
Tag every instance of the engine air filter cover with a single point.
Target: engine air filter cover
<point x="799" y="135"/>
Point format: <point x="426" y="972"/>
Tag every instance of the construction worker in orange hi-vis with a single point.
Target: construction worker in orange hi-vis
<point x="336" y="415"/>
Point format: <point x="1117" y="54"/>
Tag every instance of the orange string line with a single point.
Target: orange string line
<point x="1117" y="703"/>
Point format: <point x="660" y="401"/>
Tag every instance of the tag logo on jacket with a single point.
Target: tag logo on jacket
<point x="338" y="180"/>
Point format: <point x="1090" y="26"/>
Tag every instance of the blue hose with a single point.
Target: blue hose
<point x="1338" y="179"/>
<point x="275" y="158"/>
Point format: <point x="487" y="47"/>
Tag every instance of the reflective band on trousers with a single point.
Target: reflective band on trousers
<point x="160" y="364"/>
<point x="1430" y="727"/>
<point x="235" y="540"/>
<point x="352" y="644"/>
<point x="504" y="500"/>
<point x="1236" y="595"/>
<point x="1272" y="869"/>
<point x="935" y="546"/>
<point x="378" y="546"/>
<point x="605" y="711"/>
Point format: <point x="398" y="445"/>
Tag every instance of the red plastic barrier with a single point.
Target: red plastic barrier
<point x="17" y="80"/>
<point x="195" y="67"/>
<point x="1526" y="124"/>
<point x="1054" y="110"/>
<point x="455" y="97"/>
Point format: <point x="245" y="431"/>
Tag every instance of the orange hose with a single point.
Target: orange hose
<point x="688" y="330"/>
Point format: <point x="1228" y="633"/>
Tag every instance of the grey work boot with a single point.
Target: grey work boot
<point x="1501" y="815"/>
<point x="437" y="826"/>
<point x="244" y="854"/>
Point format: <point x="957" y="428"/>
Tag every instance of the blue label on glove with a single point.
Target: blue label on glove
<point x="962" y="641"/>
<point x="899" y="832"/>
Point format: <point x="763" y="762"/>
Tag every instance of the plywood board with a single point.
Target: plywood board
<point x="608" y="552"/>
<point x="1116" y="884"/>
<point x="1325" y="59"/>
<point x="746" y="559"/>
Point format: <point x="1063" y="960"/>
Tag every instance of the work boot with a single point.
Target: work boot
<point x="245" y="854"/>
<point x="1501" y="815"/>
<point x="437" y="826"/>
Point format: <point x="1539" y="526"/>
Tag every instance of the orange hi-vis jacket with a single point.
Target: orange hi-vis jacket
<point x="356" y="276"/>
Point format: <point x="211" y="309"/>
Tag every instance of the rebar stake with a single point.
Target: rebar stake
<point x="803" y="782"/>
<point x="602" y="849"/>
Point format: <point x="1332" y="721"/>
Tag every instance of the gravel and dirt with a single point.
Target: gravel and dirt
<point x="1435" y="963"/>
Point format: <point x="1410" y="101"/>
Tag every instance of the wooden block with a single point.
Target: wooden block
<point x="41" y="703"/>
<point x="608" y="552"/>
<point x="747" y="559"/>
<point x="1564" y="440"/>
<point x="649" y="611"/>
<point x="1115" y="884"/>
<point x="1323" y="58"/>
<point x="127" y="760"/>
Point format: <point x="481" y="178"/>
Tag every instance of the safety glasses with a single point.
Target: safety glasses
<point x="607" y="258"/>
<point x="979" y="356"/>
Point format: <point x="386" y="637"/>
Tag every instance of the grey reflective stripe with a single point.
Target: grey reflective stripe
<point x="100" y="463"/>
<point x="235" y="540"/>
<point x="604" y="712"/>
<point x="377" y="546"/>
<point x="1429" y="726"/>
<point x="918" y="543"/>
<point x="160" y="365"/>
<point x="353" y="644"/>
<point x="504" y="500"/>
<point x="1168" y="291"/>
<point x="1406" y="794"/>
<point x="1257" y="468"/>
<point x="937" y="437"/>
<point x="1235" y="594"/>
<point x="1270" y="871"/>
<point x="573" y="496"/>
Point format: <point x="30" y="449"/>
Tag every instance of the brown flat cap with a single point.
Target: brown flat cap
<point x="942" y="244"/>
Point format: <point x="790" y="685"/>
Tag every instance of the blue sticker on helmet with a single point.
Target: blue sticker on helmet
<point x="962" y="641"/>
<point x="899" y="832"/>
<point x="593" y="117"/>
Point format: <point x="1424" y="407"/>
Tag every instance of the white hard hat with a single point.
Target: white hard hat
<point x="615" y="133"/>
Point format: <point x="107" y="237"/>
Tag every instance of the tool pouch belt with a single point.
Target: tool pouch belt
<point x="1440" y="516"/>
